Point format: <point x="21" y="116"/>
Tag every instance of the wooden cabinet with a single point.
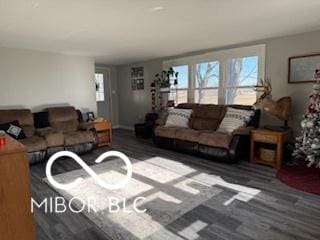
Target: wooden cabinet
<point x="16" y="219"/>
<point x="104" y="132"/>
<point x="265" y="136"/>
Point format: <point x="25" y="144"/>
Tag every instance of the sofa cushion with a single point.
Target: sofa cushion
<point x="23" y="116"/>
<point x="66" y="126"/>
<point x="168" y="132"/>
<point x="78" y="137"/>
<point x="44" y="131"/>
<point x="188" y="134"/>
<point x="207" y="116"/>
<point x="235" y="118"/>
<point x="205" y="124"/>
<point x="215" y="139"/>
<point x="34" y="143"/>
<point x="178" y="118"/>
<point x="63" y="119"/>
<point x="54" y="139"/>
<point x="28" y="130"/>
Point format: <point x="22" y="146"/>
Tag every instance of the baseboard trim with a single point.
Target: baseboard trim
<point x="115" y="126"/>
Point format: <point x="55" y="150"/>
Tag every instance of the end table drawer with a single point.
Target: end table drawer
<point x="101" y="126"/>
<point x="265" y="138"/>
<point x="103" y="134"/>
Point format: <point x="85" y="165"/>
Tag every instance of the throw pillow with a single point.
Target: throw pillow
<point x="178" y="117"/>
<point x="13" y="129"/>
<point x="235" y="118"/>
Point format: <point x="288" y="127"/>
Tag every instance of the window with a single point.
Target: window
<point x="179" y="93"/>
<point x="99" y="87"/>
<point x="242" y="75"/>
<point x="207" y="82"/>
<point x="221" y="77"/>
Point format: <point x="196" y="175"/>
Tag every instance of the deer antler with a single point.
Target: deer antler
<point x="264" y="86"/>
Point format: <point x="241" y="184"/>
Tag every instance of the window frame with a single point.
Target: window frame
<point x="222" y="56"/>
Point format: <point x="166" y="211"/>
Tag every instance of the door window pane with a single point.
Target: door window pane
<point x="99" y="87"/>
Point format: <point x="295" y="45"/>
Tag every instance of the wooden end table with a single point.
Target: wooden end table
<point x="265" y="136"/>
<point x="104" y="132"/>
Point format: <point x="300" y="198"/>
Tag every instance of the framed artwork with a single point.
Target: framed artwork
<point x="90" y="116"/>
<point x="137" y="72"/>
<point x="137" y="78"/>
<point x="302" y="68"/>
<point x="140" y="84"/>
<point x="133" y="84"/>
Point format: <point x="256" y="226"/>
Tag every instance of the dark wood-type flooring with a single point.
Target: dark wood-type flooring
<point x="278" y="212"/>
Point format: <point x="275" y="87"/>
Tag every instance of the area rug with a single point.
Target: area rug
<point x="171" y="189"/>
<point x="301" y="177"/>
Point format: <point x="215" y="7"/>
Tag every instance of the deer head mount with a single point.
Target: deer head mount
<point x="280" y="109"/>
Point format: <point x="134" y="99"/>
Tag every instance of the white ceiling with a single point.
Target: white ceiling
<point x="126" y="31"/>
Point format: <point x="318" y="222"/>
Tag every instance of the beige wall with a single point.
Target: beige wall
<point x="133" y="104"/>
<point x="114" y="96"/>
<point x="36" y="79"/>
<point x="278" y="52"/>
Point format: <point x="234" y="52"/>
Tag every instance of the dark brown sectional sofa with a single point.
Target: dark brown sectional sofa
<point x="62" y="130"/>
<point x="201" y="137"/>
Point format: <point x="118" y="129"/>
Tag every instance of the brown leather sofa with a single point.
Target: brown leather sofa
<point x="78" y="137"/>
<point x="36" y="145"/>
<point x="201" y="137"/>
<point x="63" y="132"/>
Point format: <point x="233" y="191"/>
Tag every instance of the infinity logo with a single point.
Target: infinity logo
<point x="101" y="182"/>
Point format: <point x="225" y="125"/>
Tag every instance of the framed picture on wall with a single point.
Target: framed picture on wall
<point x="137" y="78"/>
<point x="137" y="72"/>
<point x="302" y="68"/>
<point x="90" y="116"/>
<point x="133" y="84"/>
<point x="140" y="84"/>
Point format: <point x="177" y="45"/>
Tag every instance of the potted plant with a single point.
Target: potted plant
<point x="164" y="79"/>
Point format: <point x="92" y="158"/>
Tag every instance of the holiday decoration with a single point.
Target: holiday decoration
<point x="308" y="145"/>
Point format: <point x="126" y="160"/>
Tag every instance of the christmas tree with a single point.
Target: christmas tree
<point x="308" y="144"/>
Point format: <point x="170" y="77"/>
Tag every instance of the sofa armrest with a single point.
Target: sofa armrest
<point x="41" y="132"/>
<point x="242" y="131"/>
<point x="239" y="148"/>
<point x="160" y="122"/>
<point x="86" y="126"/>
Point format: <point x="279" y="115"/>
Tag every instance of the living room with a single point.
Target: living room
<point x="159" y="119"/>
